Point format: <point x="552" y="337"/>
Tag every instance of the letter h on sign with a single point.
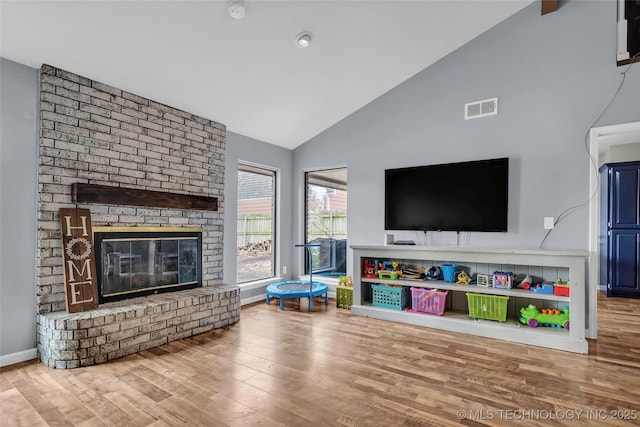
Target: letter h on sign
<point x="80" y="287"/>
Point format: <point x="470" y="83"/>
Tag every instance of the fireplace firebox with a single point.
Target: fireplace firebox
<point x="137" y="261"/>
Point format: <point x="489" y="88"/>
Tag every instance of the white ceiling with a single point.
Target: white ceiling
<point x="248" y="74"/>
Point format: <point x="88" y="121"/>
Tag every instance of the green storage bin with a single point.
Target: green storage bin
<point x="490" y="307"/>
<point x="344" y="297"/>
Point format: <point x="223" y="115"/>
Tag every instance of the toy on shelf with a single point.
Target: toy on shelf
<point x="526" y="283"/>
<point x="543" y="288"/>
<point x="485" y="280"/>
<point x="561" y="289"/>
<point x="463" y="278"/>
<point x="345" y="281"/>
<point x="413" y="273"/>
<point x="433" y="273"/>
<point x="370" y="269"/>
<point x="502" y="279"/>
<point x="449" y="272"/>
<point x="390" y="270"/>
<point x="387" y="274"/>
<point x="555" y="318"/>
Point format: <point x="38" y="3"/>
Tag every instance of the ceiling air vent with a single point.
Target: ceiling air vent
<point x="486" y="107"/>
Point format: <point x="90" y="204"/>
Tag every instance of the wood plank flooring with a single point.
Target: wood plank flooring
<point x="294" y="368"/>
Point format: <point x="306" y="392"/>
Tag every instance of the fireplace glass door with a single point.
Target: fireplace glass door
<point x="132" y="266"/>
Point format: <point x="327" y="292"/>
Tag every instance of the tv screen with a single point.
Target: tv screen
<point x="467" y="196"/>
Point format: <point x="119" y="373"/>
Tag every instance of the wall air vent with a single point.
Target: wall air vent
<point x="486" y="107"/>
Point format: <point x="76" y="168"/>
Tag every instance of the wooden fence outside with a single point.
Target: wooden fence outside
<point x="258" y="228"/>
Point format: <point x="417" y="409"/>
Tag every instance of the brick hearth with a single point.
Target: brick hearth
<point x="126" y="327"/>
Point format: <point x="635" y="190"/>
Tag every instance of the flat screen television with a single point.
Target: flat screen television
<point x="466" y="196"/>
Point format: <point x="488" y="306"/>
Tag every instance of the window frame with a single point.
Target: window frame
<point x="625" y="57"/>
<point x="275" y="258"/>
<point x="306" y="182"/>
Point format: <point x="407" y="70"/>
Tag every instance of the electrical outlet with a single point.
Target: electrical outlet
<point x="548" y="223"/>
<point x="284" y="269"/>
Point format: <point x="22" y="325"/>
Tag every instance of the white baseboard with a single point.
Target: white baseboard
<point x="21" y="356"/>
<point x="256" y="298"/>
<point x="251" y="300"/>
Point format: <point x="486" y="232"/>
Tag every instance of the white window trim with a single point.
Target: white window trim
<point x="260" y="283"/>
<point x="623" y="53"/>
<point x="277" y="259"/>
<point x="298" y="256"/>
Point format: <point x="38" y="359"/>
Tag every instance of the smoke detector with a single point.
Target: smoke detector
<point x="303" y="39"/>
<point x="236" y="9"/>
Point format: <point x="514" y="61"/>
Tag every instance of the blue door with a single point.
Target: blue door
<point x="625" y="194"/>
<point x="620" y="229"/>
<point x="624" y="261"/>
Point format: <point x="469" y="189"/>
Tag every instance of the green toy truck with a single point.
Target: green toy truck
<point x="552" y="317"/>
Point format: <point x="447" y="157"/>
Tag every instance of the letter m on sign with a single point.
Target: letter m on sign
<point x="80" y="286"/>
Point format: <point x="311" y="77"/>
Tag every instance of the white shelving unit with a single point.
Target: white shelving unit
<point x="571" y="263"/>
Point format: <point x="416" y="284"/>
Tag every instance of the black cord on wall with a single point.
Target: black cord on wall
<point x="594" y="163"/>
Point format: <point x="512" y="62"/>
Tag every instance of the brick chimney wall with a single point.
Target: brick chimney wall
<point x="94" y="133"/>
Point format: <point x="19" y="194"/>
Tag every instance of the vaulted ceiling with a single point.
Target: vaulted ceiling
<point x="248" y="73"/>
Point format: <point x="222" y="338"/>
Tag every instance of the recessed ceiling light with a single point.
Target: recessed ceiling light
<point x="236" y="9"/>
<point x="303" y="39"/>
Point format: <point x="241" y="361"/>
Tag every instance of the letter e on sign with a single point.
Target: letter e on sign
<point x="80" y="286"/>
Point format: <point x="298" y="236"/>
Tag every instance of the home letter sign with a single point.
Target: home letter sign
<point x="80" y="286"/>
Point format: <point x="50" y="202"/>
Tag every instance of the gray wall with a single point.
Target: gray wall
<point x="553" y="76"/>
<point x="18" y="188"/>
<point x="329" y="150"/>
<point x="244" y="149"/>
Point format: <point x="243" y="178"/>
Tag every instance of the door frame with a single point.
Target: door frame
<point x="300" y="257"/>
<point x="599" y="139"/>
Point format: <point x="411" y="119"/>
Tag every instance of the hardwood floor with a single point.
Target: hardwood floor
<point x="327" y="367"/>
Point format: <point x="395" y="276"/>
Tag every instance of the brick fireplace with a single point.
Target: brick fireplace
<point x="95" y="133"/>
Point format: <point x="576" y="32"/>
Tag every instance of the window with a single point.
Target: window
<point x="326" y="221"/>
<point x="632" y="12"/>
<point x="628" y="31"/>
<point x="256" y="223"/>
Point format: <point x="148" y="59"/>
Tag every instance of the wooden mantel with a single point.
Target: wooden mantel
<point x="549" y="6"/>
<point x="107" y="195"/>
